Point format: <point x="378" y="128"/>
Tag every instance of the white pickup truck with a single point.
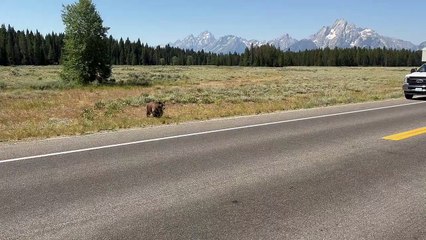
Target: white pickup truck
<point x="415" y="82"/>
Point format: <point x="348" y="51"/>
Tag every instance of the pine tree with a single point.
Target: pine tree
<point x="122" y="53"/>
<point x="38" y="55"/>
<point x="10" y="52"/>
<point x="86" y="56"/>
<point x="3" y="55"/>
<point x="22" y="41"/>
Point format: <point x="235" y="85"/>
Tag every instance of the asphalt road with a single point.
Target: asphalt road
<point x="313" y="174"/>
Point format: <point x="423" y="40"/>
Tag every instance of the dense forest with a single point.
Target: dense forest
<point x="29" y="48"/>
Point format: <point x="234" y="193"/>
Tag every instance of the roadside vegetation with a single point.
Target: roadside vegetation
<point x="35" y="103"/>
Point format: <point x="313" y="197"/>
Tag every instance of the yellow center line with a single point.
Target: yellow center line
<point x="405" y="135"/>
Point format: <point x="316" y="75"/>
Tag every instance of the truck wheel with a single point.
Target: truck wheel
<point x="409" y="96"/>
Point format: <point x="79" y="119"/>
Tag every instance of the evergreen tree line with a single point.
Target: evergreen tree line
<point x="29" y="48"/>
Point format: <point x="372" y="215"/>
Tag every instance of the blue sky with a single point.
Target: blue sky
<point x="161" y="21"/>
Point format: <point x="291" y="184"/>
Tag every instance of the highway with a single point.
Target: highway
<point x="324" y="173"/>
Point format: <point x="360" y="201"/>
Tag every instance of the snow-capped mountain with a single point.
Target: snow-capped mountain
<point x="231" y="44"/>
<point x="205" y="40"/>
<point x="302" y="45"/>
<point x="346" y="35"/>
<point x="341" y="35"/>
<point x="422" y="45"/>
<point x="284" y="42"/>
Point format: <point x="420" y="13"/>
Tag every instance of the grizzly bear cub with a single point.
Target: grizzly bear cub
<point x="155" y="109"/>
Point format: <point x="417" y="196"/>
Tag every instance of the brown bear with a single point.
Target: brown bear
<point x="155" y="109"/>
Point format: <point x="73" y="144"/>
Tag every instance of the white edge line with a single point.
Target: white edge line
<point x="203" y="133"/>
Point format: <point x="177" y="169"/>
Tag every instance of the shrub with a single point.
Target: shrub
<point x="3" y="85"/>
<point x="99" y="105"/>
<point x="138" y="80"/>
<point x="88" y="114"/>
<point x="114" y="107"/>
<point x="52" y="85"/>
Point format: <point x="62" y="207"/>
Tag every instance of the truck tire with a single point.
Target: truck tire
<point x="408" y="96"/>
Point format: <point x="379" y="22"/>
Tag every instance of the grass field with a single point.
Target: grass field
<point x="35" y="104"/>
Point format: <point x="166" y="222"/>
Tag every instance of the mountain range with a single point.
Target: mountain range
<point x="341" y="34"/>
